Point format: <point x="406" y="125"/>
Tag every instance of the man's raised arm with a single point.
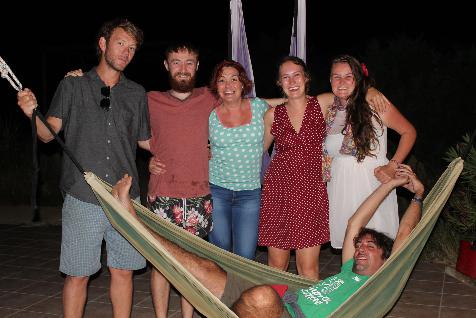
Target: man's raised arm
<point x="405" y="177"/>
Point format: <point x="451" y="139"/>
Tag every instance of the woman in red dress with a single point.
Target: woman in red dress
<point x="294" y="207"/>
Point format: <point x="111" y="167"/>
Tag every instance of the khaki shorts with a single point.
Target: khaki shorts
<point x="235" y="286"/>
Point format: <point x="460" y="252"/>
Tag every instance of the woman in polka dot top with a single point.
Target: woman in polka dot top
<point x="236" y="132"/>
<point x="294" y="205"/>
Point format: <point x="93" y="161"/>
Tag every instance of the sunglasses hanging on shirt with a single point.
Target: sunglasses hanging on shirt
<point x="106" y="100"/>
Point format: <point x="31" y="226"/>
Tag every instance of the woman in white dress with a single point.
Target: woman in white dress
<point x="357" y="145"/>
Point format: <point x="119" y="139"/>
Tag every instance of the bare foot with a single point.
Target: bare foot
<point x="121" y="190"/>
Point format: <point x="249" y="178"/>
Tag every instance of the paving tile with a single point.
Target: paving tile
<point x="25" y="261"/>
<point x="32" y="314"/>
<point x="459" y="301"/>
<point x="140" y="312"/>
<point x="428" y="275"/>
<point x="420" y="298"/>
<point x="11" y="285"/>
<point x="40" y="244"/>
<point x="98" y="294"/>
<point x="102" y="281"/>
<point x="331" y="268"/>
<point x="50" y="264"/>
<point x="8" y="270"/>
<point x="49" y="305"/>
<point x="4" y="312"/>
<point x="15" y="240"/>
<point x="56" y="277"/>
<point x="456" y="313"/>
<point x="174" y="300"/>
<point x="457" y="288"/>
<point x="142" y="285"/>
<point x="37" y="274"/>
<point x="12" y="250"/>
<point x="97" y="310"/>
<point x="425" y="266"/>
<point x="414" y="311"/>
<point x="450" y="279"/>
<point x="43" y="288"/>
<point x="424" y="286"/>
<point x="324" y="275"/>
<point x="174" y="314"/>
<point x="19" y="300"/>
<point x="46" y="253"/>
<point x="142" y="300"/>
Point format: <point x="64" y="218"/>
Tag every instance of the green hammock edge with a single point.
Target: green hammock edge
<point x="380" y="293"/>
<point x="374" y="299"/>
<point x="137" y="234"/>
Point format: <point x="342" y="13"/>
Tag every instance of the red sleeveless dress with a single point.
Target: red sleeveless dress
<point x="294" y="205"/>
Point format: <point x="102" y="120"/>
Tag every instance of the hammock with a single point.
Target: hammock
<point x="374" y="299"/>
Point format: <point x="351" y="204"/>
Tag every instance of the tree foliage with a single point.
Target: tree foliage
<point x="461" y="214"/>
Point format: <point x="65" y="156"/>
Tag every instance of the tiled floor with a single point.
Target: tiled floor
<point x="30" y="285"/>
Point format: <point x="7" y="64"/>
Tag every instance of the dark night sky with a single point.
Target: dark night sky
<point x="42" y="43"/>
<point x="40" y="48"/>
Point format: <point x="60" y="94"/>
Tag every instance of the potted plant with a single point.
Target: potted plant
<point x="461" y="212"/>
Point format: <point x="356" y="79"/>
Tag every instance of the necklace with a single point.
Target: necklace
<point x="340" y="107"/>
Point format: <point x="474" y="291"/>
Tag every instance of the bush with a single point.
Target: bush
<point x="461" y="214"/>
<point x="458" y="221"/>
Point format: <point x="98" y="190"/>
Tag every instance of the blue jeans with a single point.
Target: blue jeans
<point x="235" y="220"/>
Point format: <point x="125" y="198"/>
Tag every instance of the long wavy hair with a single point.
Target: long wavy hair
<point x="359" y="113"/>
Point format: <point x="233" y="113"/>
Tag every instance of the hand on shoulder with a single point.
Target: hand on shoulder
<point x="75" y="73"/>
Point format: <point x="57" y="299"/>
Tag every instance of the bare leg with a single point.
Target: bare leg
<point x="160" y="288"/>
<point x="307" y="262"/>
<point x="278" y="258"/>
<point x="205" y="271"/>
<point x="121" y="292"/>
<point x="259" y="301"/>
<point x="75" y="290"/>
<point x="187" y="308"/>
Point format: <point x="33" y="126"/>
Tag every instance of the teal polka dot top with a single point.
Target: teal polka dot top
<point x="237" y="152"/>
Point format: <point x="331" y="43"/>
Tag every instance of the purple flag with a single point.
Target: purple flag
<point x="298" y="35"/>
<point x="239" y="44"/>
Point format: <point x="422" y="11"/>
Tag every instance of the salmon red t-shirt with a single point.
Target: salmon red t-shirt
<point x="179" y="139"/>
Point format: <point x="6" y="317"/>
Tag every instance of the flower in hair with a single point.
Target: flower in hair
<point x="364" y="69"/>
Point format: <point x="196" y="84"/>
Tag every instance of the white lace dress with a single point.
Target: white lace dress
<point x="352" y="182"/>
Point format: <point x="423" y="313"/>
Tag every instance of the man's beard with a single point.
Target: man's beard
<point x="182" y="86"/>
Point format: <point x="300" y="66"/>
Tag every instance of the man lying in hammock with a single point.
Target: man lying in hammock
<point x="364" y="252"/>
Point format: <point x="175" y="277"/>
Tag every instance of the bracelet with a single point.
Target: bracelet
<point x="417" y="200"/>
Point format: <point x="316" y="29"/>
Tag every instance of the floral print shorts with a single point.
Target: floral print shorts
<point x="191" y="214"/>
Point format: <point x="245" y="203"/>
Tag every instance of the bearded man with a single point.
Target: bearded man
<point x="179" y="190"/>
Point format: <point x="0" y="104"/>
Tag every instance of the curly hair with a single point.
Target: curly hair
<point x="244" y="80"/>
<point x="359" y="113"/>
<point x="382" y="241"/>
<point x="108" y="28"/>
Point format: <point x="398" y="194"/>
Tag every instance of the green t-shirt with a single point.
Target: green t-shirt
<point x="237" y="152"/>
<point x="322" y="299"/>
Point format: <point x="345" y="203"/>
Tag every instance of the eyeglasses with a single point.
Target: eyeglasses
<point x="106" y="100"/>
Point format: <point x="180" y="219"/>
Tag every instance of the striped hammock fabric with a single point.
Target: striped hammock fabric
<point x="374" y="299"/>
